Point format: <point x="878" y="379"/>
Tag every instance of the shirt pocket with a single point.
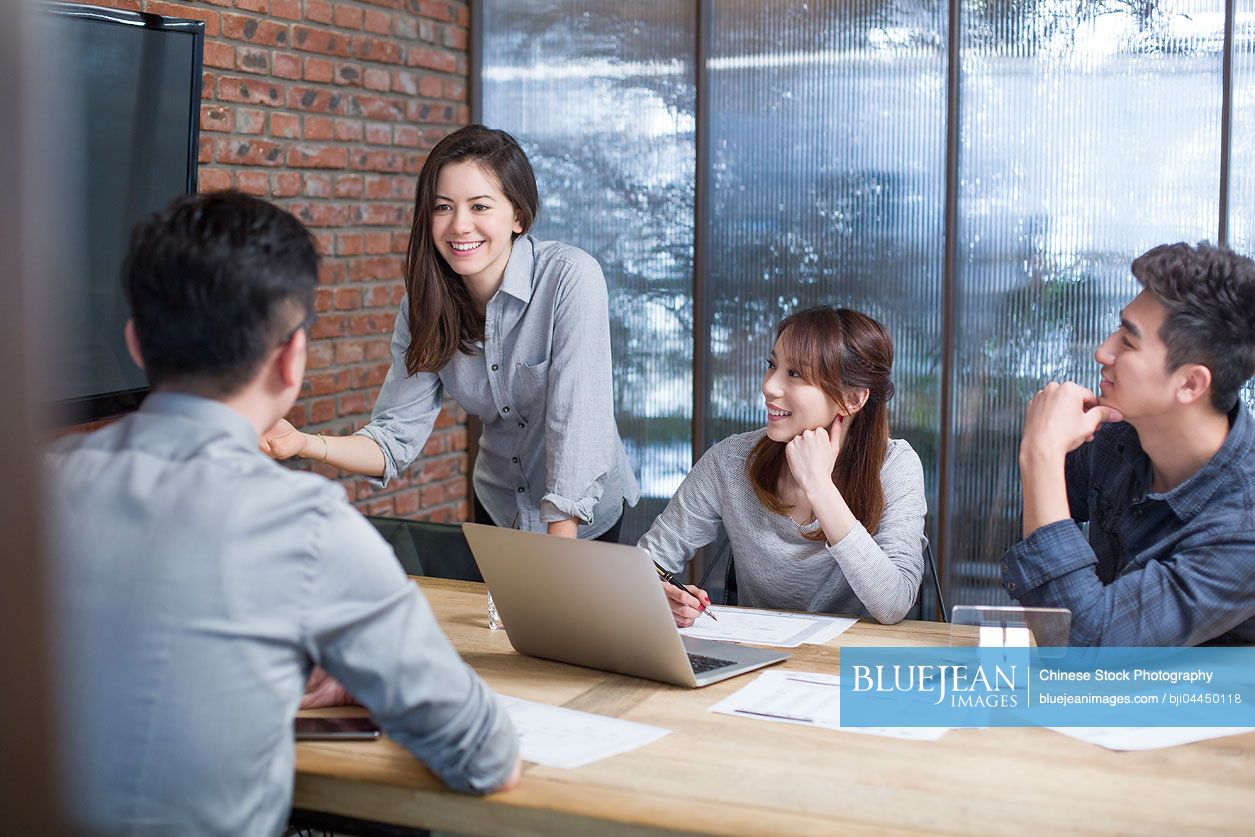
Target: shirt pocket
<point x="531" y="387"/>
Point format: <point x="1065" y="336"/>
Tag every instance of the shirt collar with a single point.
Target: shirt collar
<point x="1191" y="497"/>
<point x="205" y="412"/>
<point x="517" y="281"/>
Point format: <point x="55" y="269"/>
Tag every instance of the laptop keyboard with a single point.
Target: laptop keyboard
<point x="701" y="664"/>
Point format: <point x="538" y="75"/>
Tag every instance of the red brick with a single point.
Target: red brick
<point x="254" y="30"/>
<point x="441" y="468"/>
<point x="323" y="240"/>
<point x="354" y="403"/>
<point x="321" y="410"/>
<point x="254" y="60"/>
<point x="226" y="4"/>
<point x="286" y="65"/>
<point x="216" y="118"/>
<point x="248" y="152"/>
<point x="377" y="79"/>
<point x="406" y="504"/>
<point x="378" y="243"/>
<point x="207" y="81"/>
<point x="348" y="299"/>
<point x="319" y="11"/>
<point x="250" y="121"/>
<point x="349" y="75"/>
<point x="320" y="40"/>
<point x="400" y="242"/>
<point x="348" y="186"/>
<point x="349" y="130"/>
<point x="348" y="17"/>
<point x="259" y="6"/>
<point x="317" y="186"/>
<point x="321" y="354"/>
<point x="317" y="156"/>
<point x="379" y="267"/>
<point x="404" y="81"/>
<point x="319" y="127"/>
<point x="406" y="136"/>
<point x="370" y="377"/>
<point x="220" y="55"/>
<point x="287" y="184"/>
<point x="375" y="49"/>
<point x="435" y="10"/>
<point x="314" y="100"/>
<point x="205" y="154"/>
<point x="251" y="91"/>
<point x="361" y="325"/>
<point x="130" y="6"/>
<point x="213" y="180"/>
<point x="455" y="89"/>
<point x="326" y="383"/>
<point x="405" y="27"/>
<point x="430" y="87"/>
<point x="319" y="70"/>
<point x="288" y="9"/>
<point x="253" y="182"/>
<point x="285" y="125"/>
<point x="380" y="349"/>
<point x="379" y="107"/>
<point x="320" y="215"/>
<point x="455" y="37"/>
<point x="210" y="16"/>
<point x="381" y="508"/>
<point x="378" y="22"/>
<point x="381" y="215"/>
<point x="349" y="244"/>
<point x="431" y="59"/>
<point x="379" y="133"/>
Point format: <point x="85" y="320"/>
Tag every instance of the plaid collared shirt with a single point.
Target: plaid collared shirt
<point x="1164" y="569"/>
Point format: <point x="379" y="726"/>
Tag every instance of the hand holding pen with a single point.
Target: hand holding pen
<point x="680" y="598"/>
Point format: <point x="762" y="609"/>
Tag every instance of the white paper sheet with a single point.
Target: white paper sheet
<point x="767" y="627"/>
<point x="566" y="738"/>
<point x="1147" y="738"/>
<point x="808" y="699"/>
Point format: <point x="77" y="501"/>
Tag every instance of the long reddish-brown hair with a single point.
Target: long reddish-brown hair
<point x="442" y="316"/>
<point x="840" y="351"/>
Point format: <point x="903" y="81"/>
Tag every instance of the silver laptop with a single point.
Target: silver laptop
<point x="598" y="605"/>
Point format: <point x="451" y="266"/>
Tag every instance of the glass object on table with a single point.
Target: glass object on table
<point x="494" y="618"/>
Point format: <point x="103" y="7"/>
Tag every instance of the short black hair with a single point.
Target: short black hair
<point x="1210" y="296"/>
<point x="215" y="281"/>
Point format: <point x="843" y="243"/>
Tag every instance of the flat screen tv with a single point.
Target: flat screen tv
<point x="127" y="87"/>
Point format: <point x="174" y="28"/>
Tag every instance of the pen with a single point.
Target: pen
<point x="670" y="579"/>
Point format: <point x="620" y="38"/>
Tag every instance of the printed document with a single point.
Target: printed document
<point x="1147" y="738"/>
<point x="809" y="699"/>
<point x="768" y="627"/>
<point x="566" y="738"/>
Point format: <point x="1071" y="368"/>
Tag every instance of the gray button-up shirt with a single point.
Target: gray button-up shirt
<point x="541" y="384"/>
<point x="198" y="584"/>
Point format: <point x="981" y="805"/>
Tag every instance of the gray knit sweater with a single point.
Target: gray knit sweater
<point x="776" y="567"/>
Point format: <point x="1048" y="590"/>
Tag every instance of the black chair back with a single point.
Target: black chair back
<point x="437" y="550"/>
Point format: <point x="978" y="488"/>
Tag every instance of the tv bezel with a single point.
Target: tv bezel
<point x="106" y="405"/>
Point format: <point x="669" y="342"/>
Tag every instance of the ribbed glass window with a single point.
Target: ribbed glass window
<point x="1242" y="142"/>
<point x="1084" y="140"/>
<point x="602" y="95"/>
<point x="827" y="172"/>
<point x="1086" y="133"/>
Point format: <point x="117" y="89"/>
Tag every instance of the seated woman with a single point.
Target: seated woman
<point x="824" y="511"/>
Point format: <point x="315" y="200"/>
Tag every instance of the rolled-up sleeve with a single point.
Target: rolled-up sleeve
<point x="884" y="570"/>
<point x="581" y="438"/>
<point x="371" y="628"/>
<point x="405" y="410"/>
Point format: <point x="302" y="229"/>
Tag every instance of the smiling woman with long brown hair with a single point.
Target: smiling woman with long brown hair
<point x="825" y="513"/>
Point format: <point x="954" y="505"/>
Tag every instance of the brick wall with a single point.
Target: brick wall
<point x="327" y="107"/>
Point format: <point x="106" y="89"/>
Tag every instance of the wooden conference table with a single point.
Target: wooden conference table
<point x="718" y="774"/>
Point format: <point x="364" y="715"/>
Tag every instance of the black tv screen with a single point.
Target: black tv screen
<point x="128" y="88"/>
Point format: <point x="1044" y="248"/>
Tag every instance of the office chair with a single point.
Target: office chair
<point x="437" y="550"/>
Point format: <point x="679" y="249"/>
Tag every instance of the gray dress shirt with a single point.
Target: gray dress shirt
<point x="198" y="584"/>
<point x="776" y="566"/>
<point x="541" y="385"/>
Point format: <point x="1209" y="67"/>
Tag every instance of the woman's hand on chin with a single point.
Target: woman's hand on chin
<point x="813" y="454"/>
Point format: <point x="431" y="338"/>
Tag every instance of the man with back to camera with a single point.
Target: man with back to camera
<point x="1169" y="493"/>
<point x="200" y="581"/>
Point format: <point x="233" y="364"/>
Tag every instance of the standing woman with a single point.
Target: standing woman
<point x="824" y="512"/>
<point x="517" y="331"/>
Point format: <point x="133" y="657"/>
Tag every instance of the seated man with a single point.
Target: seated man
<point x="1170" y="493"/>
<point x="200" y="582"/>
